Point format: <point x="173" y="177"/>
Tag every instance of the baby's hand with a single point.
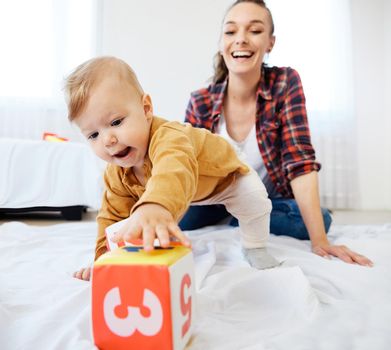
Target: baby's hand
<point x="83" y="274"/>
<point x="148" y="222"/>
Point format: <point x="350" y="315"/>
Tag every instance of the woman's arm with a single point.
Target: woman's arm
<point x="306" y="192"/>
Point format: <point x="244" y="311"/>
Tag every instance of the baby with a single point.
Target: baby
<point x="157" y="168"/>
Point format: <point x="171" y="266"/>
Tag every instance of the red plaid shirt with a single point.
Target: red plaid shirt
<point x="281" y="123"/>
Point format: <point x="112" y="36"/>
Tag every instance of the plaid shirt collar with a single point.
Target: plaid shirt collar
<point x="219" y="90"/>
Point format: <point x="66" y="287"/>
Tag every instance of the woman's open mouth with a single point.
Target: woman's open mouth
<point x="243" y="54"/>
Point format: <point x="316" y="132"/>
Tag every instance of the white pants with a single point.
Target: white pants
<point x="246" y="199"/>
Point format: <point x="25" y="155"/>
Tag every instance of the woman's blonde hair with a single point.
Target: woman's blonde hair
<point x="79" y="83"/>
<point x="220" y="68"/>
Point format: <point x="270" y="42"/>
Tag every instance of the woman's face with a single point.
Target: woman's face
<point x="245" y="39"/>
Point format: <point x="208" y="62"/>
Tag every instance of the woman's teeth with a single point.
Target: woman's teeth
<point x="239" y="54"/>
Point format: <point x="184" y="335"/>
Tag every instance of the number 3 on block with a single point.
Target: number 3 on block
<point x="125" y="327"/>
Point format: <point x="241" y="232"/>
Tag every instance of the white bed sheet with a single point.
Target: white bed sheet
<point x="307" y="303"/>
<point x="63" y="174"/>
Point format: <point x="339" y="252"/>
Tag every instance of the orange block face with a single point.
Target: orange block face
<point x="143" y="300"/>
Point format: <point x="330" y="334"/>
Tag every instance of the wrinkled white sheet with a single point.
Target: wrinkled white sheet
<point x="63" y="174"/>
<point x="307" y="303"/>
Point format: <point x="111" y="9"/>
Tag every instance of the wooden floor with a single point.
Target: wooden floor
<point x="361" y="217"/>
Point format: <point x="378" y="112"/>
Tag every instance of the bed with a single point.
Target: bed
<point x="307" y="303"/>
<point x="67" y="178"/>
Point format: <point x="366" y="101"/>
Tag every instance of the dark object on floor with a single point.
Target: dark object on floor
<point x="74" y="212"/>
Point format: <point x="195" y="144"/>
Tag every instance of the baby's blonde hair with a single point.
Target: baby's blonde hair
<point x="79" y="83"/>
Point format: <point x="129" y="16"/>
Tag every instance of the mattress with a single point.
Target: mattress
<point x="63" y="173"/>
<point x="308" y="302"/>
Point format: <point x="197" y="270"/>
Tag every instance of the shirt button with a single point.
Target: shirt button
<point x="268" y="163"/>
<point x="276" y="123"/>
<point x="278" y="183"/>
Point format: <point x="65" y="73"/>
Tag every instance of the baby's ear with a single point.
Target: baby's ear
<point x="147" y="105"/>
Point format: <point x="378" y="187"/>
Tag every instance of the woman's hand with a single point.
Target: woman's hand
<point x="306" y="192"/>
<point x="342" y="252"/>
<point x="148" y="222"/>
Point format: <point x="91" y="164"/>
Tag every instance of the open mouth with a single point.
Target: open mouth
<point x="123" y="153"/>
<point x="242" y="54"/>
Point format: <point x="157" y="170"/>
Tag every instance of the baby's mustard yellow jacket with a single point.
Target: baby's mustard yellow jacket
<point x="183" y="165"/>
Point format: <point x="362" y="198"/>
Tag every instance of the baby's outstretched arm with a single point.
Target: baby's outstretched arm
<point x="148" y="222"/>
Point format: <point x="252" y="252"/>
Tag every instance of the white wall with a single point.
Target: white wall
<point x="387" y="106"/>
<point x="372" y="57"/>
<point x="171" y="44"/>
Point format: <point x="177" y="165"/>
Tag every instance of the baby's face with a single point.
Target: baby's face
<point x="116" y="122"/>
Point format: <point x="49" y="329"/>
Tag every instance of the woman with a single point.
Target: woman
<point x="261" y="110"/>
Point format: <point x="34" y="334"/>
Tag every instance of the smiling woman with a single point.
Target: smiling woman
<point x="42" y="40"/>
<point x="261" y="110"/>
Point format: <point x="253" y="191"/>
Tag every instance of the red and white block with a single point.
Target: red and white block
<point x="143" y="300"/>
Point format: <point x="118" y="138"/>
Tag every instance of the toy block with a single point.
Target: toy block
<point x="143" y="300"/>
